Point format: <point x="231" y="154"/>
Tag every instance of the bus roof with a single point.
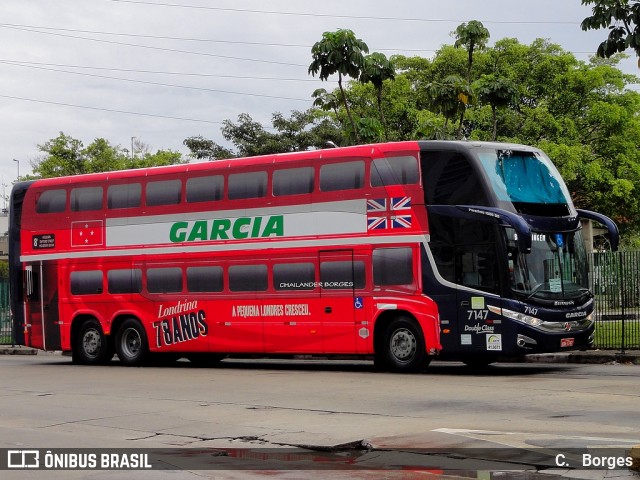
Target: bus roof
<point x="371" y="150"/>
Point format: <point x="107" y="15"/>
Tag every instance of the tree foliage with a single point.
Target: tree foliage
<point x="581" y="113"/>
<point x="621" y="17"/>
<point x="342" y="53"/>
<point x="375" y="70"/>
<point x="301" y="131"/>
<point x="65" y="155"/>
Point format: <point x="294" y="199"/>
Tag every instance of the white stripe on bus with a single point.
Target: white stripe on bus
<point x="227" y="247"/>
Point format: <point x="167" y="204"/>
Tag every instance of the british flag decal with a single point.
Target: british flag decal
<point x="389" y="213"/>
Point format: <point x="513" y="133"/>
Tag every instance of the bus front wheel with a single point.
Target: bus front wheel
<point x="403" y="347"/>
<point x="91" y="346"/>
<point x="131" y="343"/>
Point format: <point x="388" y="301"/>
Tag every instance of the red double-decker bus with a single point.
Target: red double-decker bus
<point x="313" y="252"/>
<point x="321" y="252"/>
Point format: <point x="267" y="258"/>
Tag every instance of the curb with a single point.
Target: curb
<point x="6" y="350"/>
<point x="596" y="357"/>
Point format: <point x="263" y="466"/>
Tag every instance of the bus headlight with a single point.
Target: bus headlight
<point x="517" y="316"/>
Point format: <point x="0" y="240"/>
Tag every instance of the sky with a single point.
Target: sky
<point x="160" y="71"/>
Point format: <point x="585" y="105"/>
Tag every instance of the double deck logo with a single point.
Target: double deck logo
<point x="23" y="459"/>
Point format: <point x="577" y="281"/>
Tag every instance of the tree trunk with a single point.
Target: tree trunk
<point x="459" y="132"/>
<point x="346" y="106"/>
<point x="382" y="119"/>
<point x="495" y="124"/>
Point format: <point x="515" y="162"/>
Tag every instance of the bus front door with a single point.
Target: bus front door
<point x="42" y="329"/>
<point x="479" y="328"/>
<point x="340" y="276"/>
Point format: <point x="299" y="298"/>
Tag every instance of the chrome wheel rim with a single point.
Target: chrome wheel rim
<point x="403" y="345"/>
<point x="91" y="343"/>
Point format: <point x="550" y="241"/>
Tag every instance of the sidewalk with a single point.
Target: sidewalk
<point x="590" y="356"/>
<point x="17" y="350"/>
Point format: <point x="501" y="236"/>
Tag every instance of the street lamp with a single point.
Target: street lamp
<point x="132" y="147"/>
<point x="18" y="162"/>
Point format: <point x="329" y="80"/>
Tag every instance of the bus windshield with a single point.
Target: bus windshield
<point x="527" y="180"/>
<point x="556" y="269"/>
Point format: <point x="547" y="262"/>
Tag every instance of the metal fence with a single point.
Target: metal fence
<point x="615" y="281"/>
<point x="6" y="334"/>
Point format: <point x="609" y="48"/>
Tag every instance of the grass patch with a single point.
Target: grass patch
<point x="609" y="334"/>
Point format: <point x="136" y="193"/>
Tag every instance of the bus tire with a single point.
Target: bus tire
<point x="403" y="347"/>
<point x="131" y="343"/>
<point x="91" y="345"/>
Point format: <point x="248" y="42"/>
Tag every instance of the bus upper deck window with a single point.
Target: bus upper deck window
<point x="165" y="192"/>
<point x="52" y="201"/>
<point x="247" y="185"/>
<point x="124" y="196"/>
<point x="84" y="199"/>
<point x="342" y="176"/>
<point x="293" y="181"/>
<point x="394" y="171"/>
<point x="205" y="189"/>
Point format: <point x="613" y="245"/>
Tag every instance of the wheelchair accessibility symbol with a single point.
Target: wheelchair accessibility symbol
<point x="358" y="303"/>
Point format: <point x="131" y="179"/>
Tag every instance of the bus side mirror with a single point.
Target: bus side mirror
<point x="612" y="228"/>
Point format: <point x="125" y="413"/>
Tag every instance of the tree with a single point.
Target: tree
<point x="472" y="36"/>
<point x="301" y="131"/>
<point x="621" y="17"/>
<point x="498" y="93"/>
<point x="342" y="53"/>
<point x="450" y="97"/>
<point x="376" y="69"/>
<point x="204" y="149"/>
<point x="326" y="101"/>
<point x="65" y="155"/>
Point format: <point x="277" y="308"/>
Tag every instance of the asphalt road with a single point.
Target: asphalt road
<point x="338" y="410"/>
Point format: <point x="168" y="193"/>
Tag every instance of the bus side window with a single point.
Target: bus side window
<point x="124" y="196"/>
<point x="342" y="275"/>
<point x="205" y="189"/>
<point x="449" y="179"/>
<point x="392" y="266"/>
<point x="248" y="278"/>
<point x="52" y="201"/>
<point x="124" y="281"/>
<point x="394" y="171"/>
<point x="342" y="176"/>
<point x="164" y="280"/>
<point x="205" y="279"/>
<point x="86" y="282"/>
<point x="84" y="199"/>
<point x="294" y="276"/>
<point x="165" y="192"/>
<point x="293" y="181"/>
<point x="247" y="185"/>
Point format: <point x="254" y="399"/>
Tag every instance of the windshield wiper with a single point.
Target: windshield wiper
<point x="535" y="290"/>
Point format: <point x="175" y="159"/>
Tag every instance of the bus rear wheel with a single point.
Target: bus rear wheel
<point x="91" y="346"/>
<point x="131" y="343"/>
<point x="403" y="347"/>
